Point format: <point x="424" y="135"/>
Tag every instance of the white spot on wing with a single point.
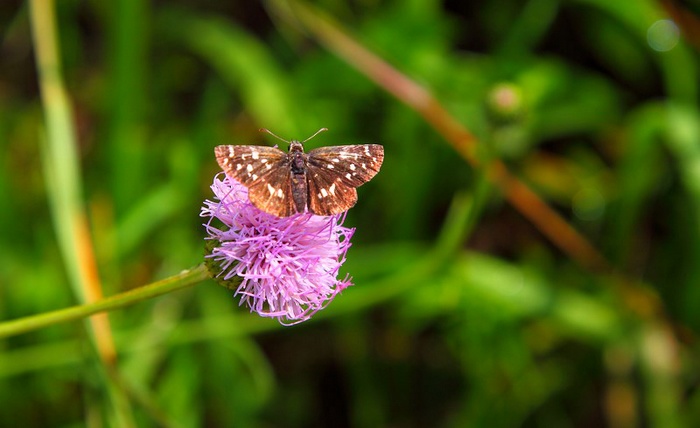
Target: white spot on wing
<point x="238" y="166"/>
<point x="332" y="189"/>
<point x="347" y="176"/>
<point x="352" y="167"/>
<point x="330" y="166"/>
<point x="324" y="192"/>
<point x="270" y="189"/>
<point x="249" y="167"/>
<point x="280" y="194"/>
<point x="255" y="155"/>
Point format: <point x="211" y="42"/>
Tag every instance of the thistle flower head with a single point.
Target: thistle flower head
<point x="288" y="266"/>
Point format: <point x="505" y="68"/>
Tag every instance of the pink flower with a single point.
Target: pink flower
<point x="289" y="266"/>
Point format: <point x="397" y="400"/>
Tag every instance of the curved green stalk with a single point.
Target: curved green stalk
<point x="181" y="280"/>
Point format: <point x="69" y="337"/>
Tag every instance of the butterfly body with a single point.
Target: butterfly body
<point x="322" y="181"/>
<point x="297" y="166"/>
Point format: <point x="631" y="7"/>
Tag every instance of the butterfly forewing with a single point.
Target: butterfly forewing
<point x="353" y="165"/>
<point x="247" y="164"/>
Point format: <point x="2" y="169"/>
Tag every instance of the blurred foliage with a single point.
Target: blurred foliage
<point x="463" y="313"/>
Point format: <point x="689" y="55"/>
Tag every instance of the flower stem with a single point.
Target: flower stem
<point x="176" y="282"/>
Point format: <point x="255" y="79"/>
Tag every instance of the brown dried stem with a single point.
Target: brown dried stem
<point x="530" y="205"/>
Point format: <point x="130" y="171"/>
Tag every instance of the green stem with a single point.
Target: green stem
<point x="176" y="282"/>
<point x="61" y="161"/>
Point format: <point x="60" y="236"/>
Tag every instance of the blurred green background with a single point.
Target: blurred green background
<point x="463" y="313"/>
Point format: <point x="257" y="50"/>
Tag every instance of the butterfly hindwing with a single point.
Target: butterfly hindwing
<point x="328" y="194"/>
<point x="272" y="193"/>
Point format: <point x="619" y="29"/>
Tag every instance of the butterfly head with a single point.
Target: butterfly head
<point x="296" y="146"/>
<point x="296" y="153"/>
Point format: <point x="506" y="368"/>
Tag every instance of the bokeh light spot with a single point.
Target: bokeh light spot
<point x="663" y="35"/>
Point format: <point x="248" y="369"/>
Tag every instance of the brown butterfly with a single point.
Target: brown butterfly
<point x="322" y="181"/>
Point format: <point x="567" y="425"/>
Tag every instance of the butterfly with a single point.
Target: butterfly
<point x="322" y="182"/>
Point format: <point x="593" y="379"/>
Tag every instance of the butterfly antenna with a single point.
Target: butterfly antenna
<point x="315" y="134"/>
<point x="274" y="135"/>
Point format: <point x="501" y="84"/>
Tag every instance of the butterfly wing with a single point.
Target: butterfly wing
<point x="248" y="163"/>
<point x="334" y="172"/>
<point x="265" y="171"/>
<point x="327" y="194"/>
<point x="272" y="193"/>
<point x="353" y="165"/>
